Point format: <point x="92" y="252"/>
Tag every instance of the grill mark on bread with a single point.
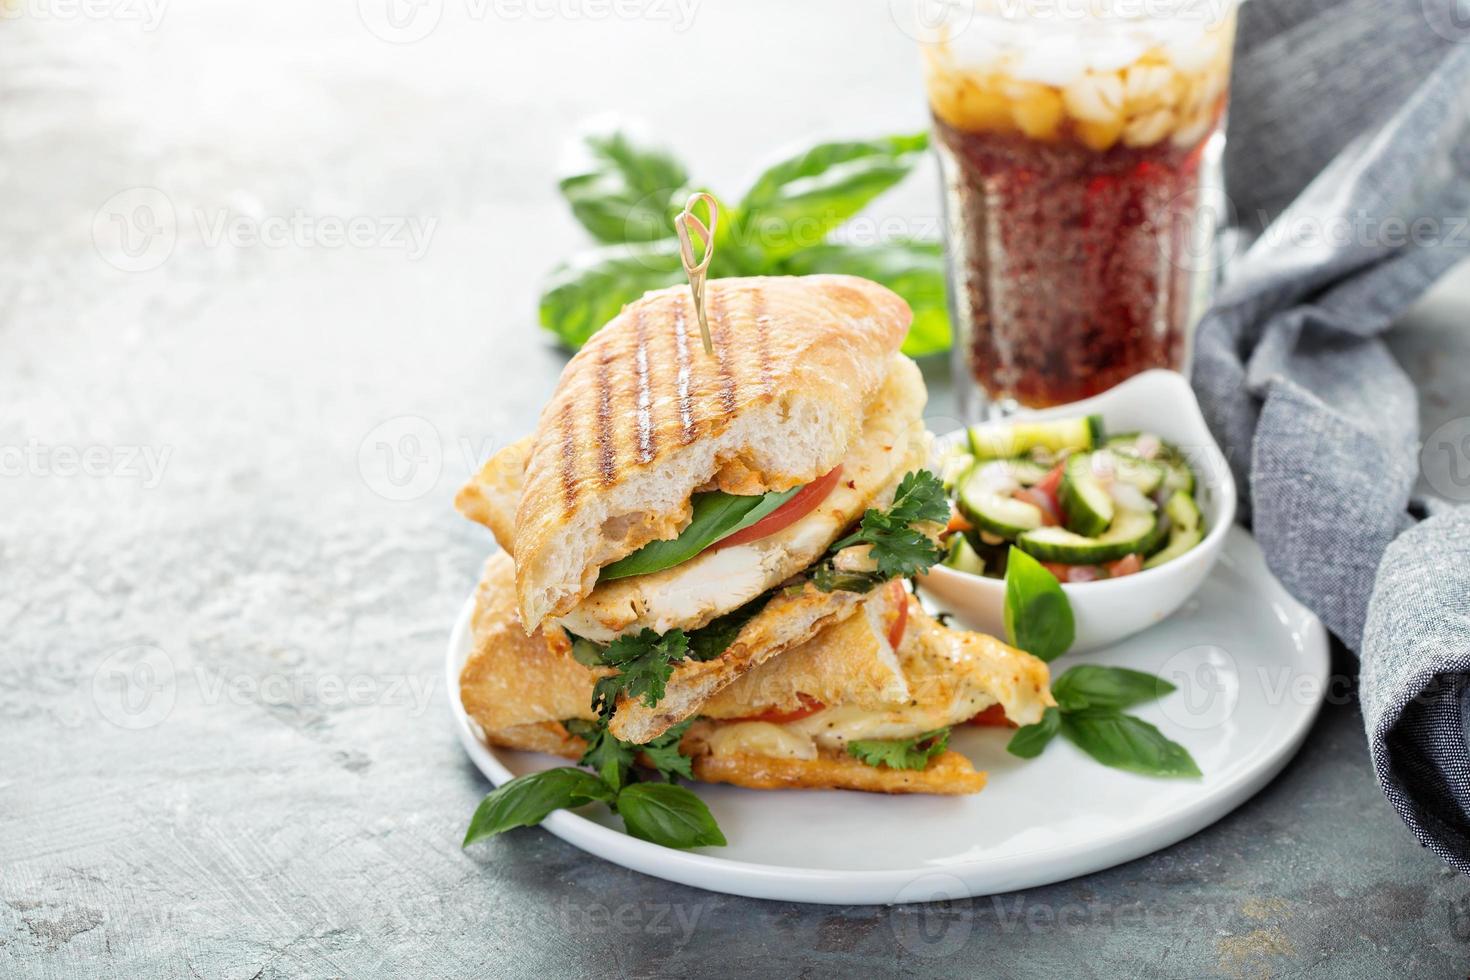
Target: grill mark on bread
<point x="606" y="452"/>
<point x="681" y="353"/>
<point x="762" y="342"/>
<point x="720" y="329"/>
<point x="646" y="439"/>
<point x="568" y="458"/>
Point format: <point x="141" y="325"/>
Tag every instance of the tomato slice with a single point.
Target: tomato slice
<point x="1042" y="501"/>
<point x="809" y="706"/>
<point x="992" y="717"/>
<point x="1129" y="565"/>
<point x="1051" y="484"/>
<point x="901" y="620"/>
<point x="789" y="513"/>
<point x="957" y="522"/>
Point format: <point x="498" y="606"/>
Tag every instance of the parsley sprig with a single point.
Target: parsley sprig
<point x="644" y="662"/>
<point x="913" y="753"/>
<point x="896" y="547"/>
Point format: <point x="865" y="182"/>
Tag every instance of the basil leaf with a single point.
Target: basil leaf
<point x="1038" y="616"/>
<point x="1129" y="743"/>
<point x="913" y="753"/>
<point x="796" y="202"/>
<point x="623" y="192"/>
<point x="714" y="638"/>
<point x="582" y="295"/>
<point x="668" y="815"/>
<point x="716" y="515"/>
<point x="1089" y="686"/>
<point x="527" y="800"/>
<point x="912" y="269"/>
<point x="1030" y="740"/>
<point x="609" y="755"/>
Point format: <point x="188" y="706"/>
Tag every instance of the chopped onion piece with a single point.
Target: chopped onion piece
<point x="1129" y="497"/>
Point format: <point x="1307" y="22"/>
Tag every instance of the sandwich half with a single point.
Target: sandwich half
<point x="675" y="513"/>
<point x="847" y="709"/>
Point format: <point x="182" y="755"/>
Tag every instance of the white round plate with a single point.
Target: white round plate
<point x="1251" y="667"/>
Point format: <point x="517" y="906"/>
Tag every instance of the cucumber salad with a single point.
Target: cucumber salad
<point x="1086" y="505"/>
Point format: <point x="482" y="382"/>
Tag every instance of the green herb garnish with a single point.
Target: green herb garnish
<point x="1089" y="714"/>
<point x="626" y="195"/>
<point x="1038" y="616"/>
<point x="715" y="637"/>
<point x="913" y="753"/>
<point x="644" y="662"/>
<point x="897" y="549"/>
<point x="658" y="811"/>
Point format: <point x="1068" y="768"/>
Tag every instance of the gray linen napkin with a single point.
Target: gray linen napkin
<point x="1350" y="121"/>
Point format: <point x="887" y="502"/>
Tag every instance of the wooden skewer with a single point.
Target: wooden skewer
<point x="697" y="271"/>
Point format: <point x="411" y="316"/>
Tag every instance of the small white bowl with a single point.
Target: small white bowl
<point x="1109" y="610"/>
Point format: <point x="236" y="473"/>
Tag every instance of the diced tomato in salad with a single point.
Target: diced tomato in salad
<point x="1131" y="565"/>
<point x="1043" y="502"/>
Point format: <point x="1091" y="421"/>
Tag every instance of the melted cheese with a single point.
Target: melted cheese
<point x="760" y="738"/>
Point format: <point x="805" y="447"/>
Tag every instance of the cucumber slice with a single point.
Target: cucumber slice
<point x="1024" y="471"/>
<point x="1183" y="512"/>
<point x="1179" y="477"/>
<point x="1003" y="440"/>
<point x="954" y="466"/>
<point x="1088" y="507"/>
<point x="1175" y="467"/>
<point x="1180" y="541"/>
<point x="1133" y="532"/>
<point x="962" y="557"/>
<point x="988" y="510"/>
<point x="1186" y="528"/>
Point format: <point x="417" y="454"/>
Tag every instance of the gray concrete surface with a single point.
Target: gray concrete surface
<point x="229" y="562"/>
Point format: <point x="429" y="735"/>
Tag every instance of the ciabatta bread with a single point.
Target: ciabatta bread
<point x="518" y="689"/>
<point x="642" y="418"/>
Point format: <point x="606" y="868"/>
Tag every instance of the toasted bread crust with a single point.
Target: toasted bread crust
<point x="948" y="774"/>
<point x="493" y="493"/>
<point x="785" y="622"/>
<point x="514" y="679"/>
<point x="642" y="417"/>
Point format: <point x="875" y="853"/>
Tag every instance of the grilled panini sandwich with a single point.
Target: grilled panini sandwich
<point x="674" y="513"/>
<point x="827" y="713"/>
